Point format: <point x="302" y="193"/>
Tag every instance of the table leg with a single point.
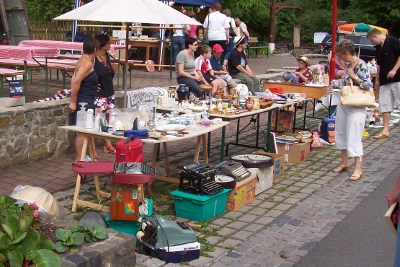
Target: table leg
<point x="209" y="143"/>
<point x="78" y="177"/>
<point x="1" y="85"/>
<point x="205" y="151"/>
<point x="166" y="159"/>
<point x="267" y="145"/>
<point x="147" y="52"/>
<point x="155" y="153"/>
<point x="197" y="150"/>
<point x="222" y="148"/>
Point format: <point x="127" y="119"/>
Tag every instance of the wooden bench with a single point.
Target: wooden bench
<point x="255" y="44"/>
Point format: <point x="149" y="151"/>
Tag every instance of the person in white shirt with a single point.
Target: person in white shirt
<point x="216" y="27"/>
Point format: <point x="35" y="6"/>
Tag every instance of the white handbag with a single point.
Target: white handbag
<point x="354" y="96"/>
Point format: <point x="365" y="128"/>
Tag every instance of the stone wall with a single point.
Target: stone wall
<point x="29" y="132"/>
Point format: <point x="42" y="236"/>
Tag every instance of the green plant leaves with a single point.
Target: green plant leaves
<point x="63" y="234"/>
<point x="6" y="200"/>
<point x="15" y="258"/>
<point x="60" y="247"/>
<point x="46" y="258"/>
<point x="10" y="226"/>
<point x="46" y="244"/>
<point x="5" y="241"/>
<point x="77" y="238"/>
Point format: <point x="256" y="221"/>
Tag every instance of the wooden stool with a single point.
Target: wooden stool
<point x="206" y="90"/>
<point x="91" y="168"/>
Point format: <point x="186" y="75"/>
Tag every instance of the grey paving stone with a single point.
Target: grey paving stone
<point x="266" y="204"/>
<point x="274" y="213"/>
<point x="255" y="202"/>
<point x="218" y="251"/>
<point x="284" y="194"/>
<point x="237" y="225"/>
<point x="230" y="243"/>
<point x="248" y="218"/>
<point x="242" y="235"/>
<point x="300" y="195"/>
<point x="253" y="227"/>
<point x="265" y="220"/>
<point x="221" y="221"/>
<point x="277" y="198"/>
<point x="291" y="200"/>
<point x="300" y="184"/>
<point x="202" y="261"/>
<point x="233" y="215"/>
<point x="307" y="190"/>
<point x="214" y="239"/>
<point x="283" y="207"/>
<point x="226" y="231"/>
<point x="258" y="211"/>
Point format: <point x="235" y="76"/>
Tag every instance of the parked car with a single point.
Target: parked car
<point x="363" y="46"/>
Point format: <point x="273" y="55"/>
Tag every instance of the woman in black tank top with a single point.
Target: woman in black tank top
<point x="83" y="87"/>
<point x="105" y="99"/>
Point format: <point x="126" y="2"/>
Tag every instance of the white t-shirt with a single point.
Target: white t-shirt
<point x="178" y="32"/>
<point x="216" y="23"/>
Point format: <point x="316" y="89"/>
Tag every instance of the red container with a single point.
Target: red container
<point x="129" y="150"/>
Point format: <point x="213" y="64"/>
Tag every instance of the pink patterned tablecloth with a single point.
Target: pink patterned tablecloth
<point x="63" y="45"/>
<point x="27" y="52"/>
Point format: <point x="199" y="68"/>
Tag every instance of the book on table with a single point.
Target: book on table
<point x="392" y="216"/>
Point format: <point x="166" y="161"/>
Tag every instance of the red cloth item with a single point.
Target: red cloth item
<point x="93" y="167"/>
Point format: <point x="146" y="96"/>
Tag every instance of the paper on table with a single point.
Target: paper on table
<point x="391" y="216"/>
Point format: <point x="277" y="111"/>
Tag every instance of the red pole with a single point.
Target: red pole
<point x="334" y="24"/>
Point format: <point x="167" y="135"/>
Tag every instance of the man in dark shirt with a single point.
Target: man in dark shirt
<point x="388" y="75"/>
<point x="238" y="67"/>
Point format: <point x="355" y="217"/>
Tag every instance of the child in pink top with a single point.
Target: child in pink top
<point x="204" y="70"/>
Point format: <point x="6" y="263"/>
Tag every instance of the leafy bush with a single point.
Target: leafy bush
<point x="20" y="241"/>
<point x="71" y="239"/>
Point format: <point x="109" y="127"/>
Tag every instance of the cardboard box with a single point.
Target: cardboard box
<point x="279" y="162"/>
<point x="264" y="178"/>
<point x="294" y="153"/>
<point x="242" y="194"/>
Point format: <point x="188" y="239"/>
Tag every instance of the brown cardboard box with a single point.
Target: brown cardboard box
<point x="294" y="153"/>
<point x="242" y="194"/>
<point x="279" y="162"/>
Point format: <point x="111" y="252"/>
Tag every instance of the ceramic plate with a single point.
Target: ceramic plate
<point x="171" y="127"/>
<point x="196" y="108"/>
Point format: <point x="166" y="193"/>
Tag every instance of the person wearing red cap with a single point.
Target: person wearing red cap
<point x="218" y="67"/>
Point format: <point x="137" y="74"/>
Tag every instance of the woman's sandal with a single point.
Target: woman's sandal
<point x="341" y="168"/>
<point x="356" y="176"/>
<point x="109" y="149"/>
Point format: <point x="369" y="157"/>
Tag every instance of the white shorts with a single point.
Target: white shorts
<point x="389" y="94"/>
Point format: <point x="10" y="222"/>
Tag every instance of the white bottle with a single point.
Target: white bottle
<point x="81" y="116"/>
<point x="89" y="119"/>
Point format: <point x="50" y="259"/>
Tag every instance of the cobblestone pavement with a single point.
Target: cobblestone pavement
<point x="282" y="224"/>
<point x="285" y="222"/>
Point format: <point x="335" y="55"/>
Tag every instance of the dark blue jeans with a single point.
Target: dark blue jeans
<point x="178" y="44"/>
<point x="192" y="84"/>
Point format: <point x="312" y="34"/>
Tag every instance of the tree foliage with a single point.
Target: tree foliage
<point x="47" y="10"/>
<point x="315" y="15"/>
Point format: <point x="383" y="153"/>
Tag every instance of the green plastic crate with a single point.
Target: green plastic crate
<point x="127" y="227"/>
<point x="199" y="207"/>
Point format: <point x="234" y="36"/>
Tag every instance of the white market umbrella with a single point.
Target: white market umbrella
<point x="128" y="11"/>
